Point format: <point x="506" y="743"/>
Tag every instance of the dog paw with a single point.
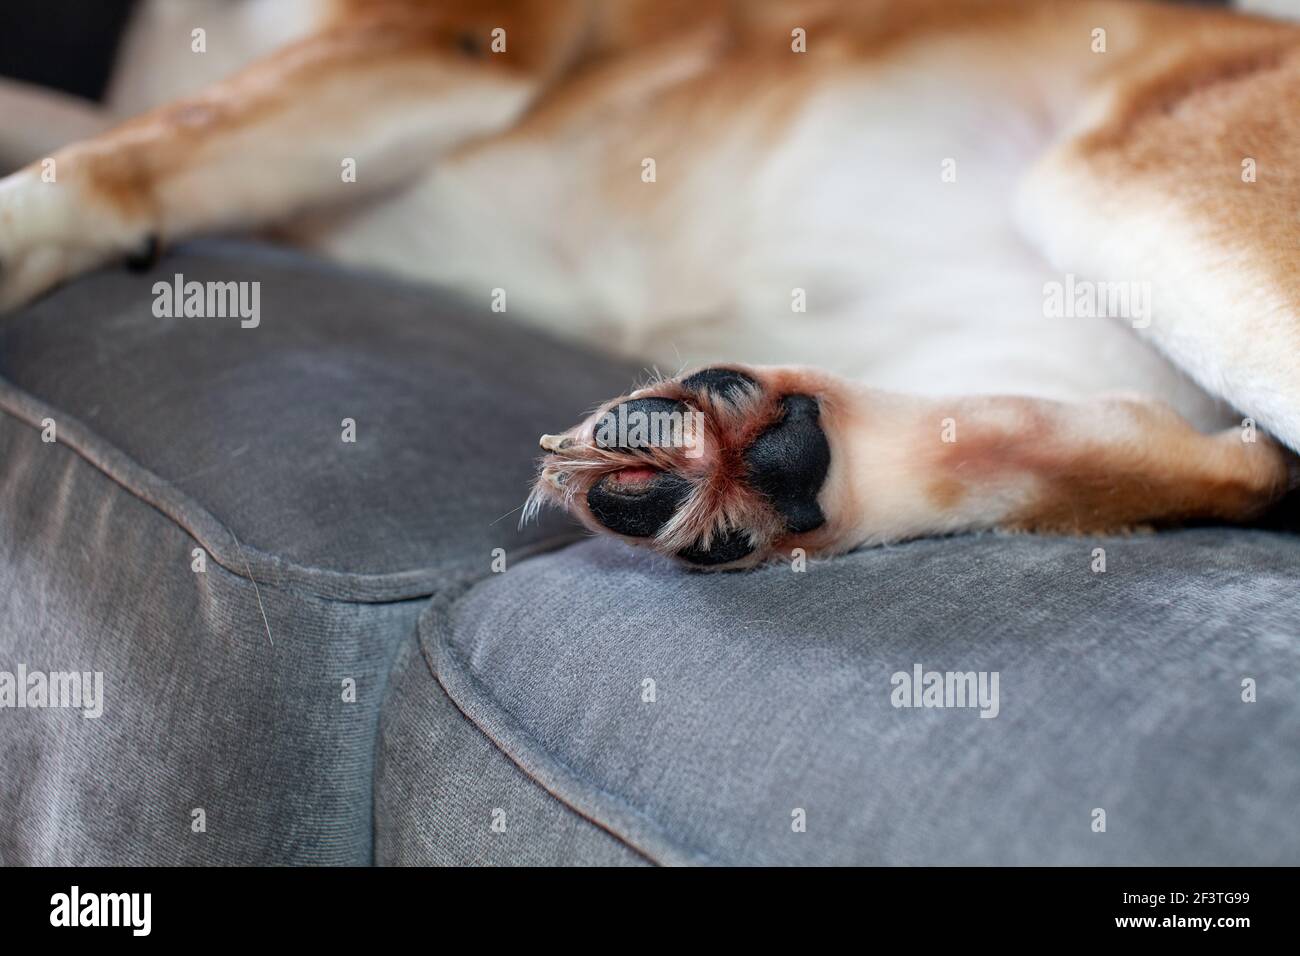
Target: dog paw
<point x="48" y="235"/>
<point x="724" y="468"/>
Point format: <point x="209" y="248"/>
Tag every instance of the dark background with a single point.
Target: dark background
<point x="65" y="44"/>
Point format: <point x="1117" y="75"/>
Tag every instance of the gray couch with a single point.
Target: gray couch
<point x="352" y="678"/>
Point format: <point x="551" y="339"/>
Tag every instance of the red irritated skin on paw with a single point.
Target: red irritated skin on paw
<point x="787" y="458"/>
<point x="634" y="477"/>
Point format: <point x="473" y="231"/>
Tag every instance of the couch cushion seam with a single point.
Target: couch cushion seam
<point x="201" y="525"/>
<point x="438" y="614"/>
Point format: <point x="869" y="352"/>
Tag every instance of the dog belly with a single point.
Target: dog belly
<point x="885" y="205"/>
<point x="917" y="278"/>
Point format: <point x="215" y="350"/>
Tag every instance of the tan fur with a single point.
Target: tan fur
<point x="1108" y="467"/>
<point x="1013" y="463"/>
<point x="1145" y="167"/>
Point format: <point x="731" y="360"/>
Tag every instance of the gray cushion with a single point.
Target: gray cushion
<point x="521" y="692"/>
<point x="246" y="423"/>
<point x="446" y="795"/>
<point x="1120" y="691"/>
<point x="175" y="434"/>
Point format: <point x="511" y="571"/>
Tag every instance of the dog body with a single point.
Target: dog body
<point x="785" y="188"/>
<point x="895" y="193"/>
<point x="881" y="183"/>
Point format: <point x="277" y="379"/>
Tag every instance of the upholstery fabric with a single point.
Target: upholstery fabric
<point x="1119" y="690"/>
<point x="345" y="680"/>
<point x="224" y="688"/>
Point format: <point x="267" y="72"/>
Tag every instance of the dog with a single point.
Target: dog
<point x="941" y="265"/>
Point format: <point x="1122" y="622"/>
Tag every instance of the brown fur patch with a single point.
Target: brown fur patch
<point x="1152" y="469"/>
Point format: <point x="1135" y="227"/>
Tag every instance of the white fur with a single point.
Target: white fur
<point x="1200" y="289"/>
<point x="47" y="233"/>
<point x="913" y="284"/>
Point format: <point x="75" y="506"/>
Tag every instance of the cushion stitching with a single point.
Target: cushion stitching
<point x="438" y="616"/>
<point x="205" y="528"/>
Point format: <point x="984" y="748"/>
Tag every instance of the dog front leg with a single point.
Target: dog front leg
<point x="359" y="107"/>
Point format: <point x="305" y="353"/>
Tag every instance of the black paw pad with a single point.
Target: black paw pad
<point x="637" y="512"/>
<point x="789" y="461"/>
<point x="732" y="546"/>
<point x="724" y="382"/>
<point x="644" y="423"/>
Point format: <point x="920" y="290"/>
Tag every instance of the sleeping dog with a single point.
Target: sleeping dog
<point x="942" y="265"/>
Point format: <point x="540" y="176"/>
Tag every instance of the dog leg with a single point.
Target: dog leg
<point x="1187" y="182"/>
<point x="729" y="467"/>
<point x="382" y="94"/>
